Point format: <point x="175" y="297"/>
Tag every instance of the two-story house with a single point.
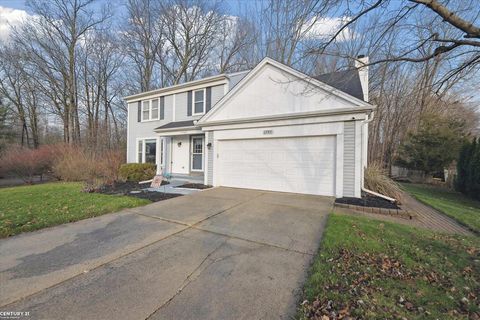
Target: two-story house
<point x="271" y="128"/>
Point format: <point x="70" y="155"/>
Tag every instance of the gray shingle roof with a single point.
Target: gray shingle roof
<point x="347" y="81"/>
<point x="175" y="125"/>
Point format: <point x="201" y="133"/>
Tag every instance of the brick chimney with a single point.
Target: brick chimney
<point x="361" y="63"/>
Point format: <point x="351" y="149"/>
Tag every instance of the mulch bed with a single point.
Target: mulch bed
<point x="368" y="200"/>
<point x="126" y="188"/>
<point x="194" y="186"/>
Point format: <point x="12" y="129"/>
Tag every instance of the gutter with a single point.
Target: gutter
<point x="319" y="113"/>
<point x="176" y="129"/>
<point x="181" y="86"/>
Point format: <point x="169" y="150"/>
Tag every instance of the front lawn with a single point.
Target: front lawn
<point x="34" y="207"/>
<point x="370" y="269"/>
<point x="451" y="203"/>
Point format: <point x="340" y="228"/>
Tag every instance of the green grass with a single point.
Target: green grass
<point x="29" y="208"/>
<point x="451" y="203"/>
<point x="376" y="270"/>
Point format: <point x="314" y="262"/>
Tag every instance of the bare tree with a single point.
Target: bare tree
<point x="99" y="62"/>
<point x="18" y="90"/>
<point x="455" y="35"/>
<point x="52" y="42"/>
<point x="143" y="39"/>
<point x="191" y="30"/>
<point x="236" y="36"/>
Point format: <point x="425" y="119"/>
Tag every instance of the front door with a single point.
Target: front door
<point x="197" y="153"/>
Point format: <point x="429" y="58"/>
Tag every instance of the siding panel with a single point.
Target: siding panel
<point x="349" y="159"/>
<point x="181" y="106"/>
<point x="217" y="94"/>
<point x="210" y="158"/>
<point x="144" y="129"/>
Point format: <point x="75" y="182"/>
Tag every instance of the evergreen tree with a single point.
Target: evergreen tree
<point x="460" y="181"/>
<point x="473" y="171"/>
<point x="468" y="169"/>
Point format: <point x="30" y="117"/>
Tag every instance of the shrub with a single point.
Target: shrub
<point x="109" y="163"/>
<point x="65" y="162"/>
<point x="377" y="180"/>
<point x="73" y="164"/>
<point x="95" y="168"/>
<point x="137" y="171"/>
<point x="26" y="163"/>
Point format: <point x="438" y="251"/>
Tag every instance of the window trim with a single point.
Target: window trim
<point x="158" y="108"/>
<point x="159" y="156"/>
<point x="143" y="110"/>
<point x="150" y="104"/>
<point x="204" y="102"/>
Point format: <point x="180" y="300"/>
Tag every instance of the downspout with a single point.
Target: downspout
<point x="368" y="119"/>
<point x="366" y="122"/>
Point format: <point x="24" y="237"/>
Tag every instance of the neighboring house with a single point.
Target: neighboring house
<point x="270" y="128"/>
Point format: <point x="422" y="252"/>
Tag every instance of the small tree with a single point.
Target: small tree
<point x="434" y="145"/>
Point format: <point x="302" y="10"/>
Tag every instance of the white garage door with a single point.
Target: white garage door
<point x="300" y="165"/>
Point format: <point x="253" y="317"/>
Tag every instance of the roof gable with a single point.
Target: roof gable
<point x="273" y="89"/>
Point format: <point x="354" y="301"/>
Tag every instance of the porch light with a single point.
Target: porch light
<point x="179" y="144"/>
<point x="209" y="145"/>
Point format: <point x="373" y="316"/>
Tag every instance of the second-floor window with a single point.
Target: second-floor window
<point x="199" y="102"/>
<point x="150" y="110"/>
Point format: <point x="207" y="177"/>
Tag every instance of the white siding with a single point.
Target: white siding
<point x="138" y="130"/>
<point x="217" y="94"/>
<point x="169" y="108"/>
<point x="349" y="159"/>
<point x="210" y="155"/>
<point x="181" y="100"/>
<point x="272" y="92"/>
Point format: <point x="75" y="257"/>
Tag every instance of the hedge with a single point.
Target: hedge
<point x="468" y="170"/>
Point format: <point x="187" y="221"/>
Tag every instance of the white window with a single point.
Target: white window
<point x="140" y="151"/>
<point x="154" y="109"/>
<point x="146" y="110"/>
<point x="150" y="110"/>
<point x="199" y="102"/>
<point x="149" y="150"/>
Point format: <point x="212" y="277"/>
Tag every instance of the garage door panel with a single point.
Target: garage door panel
<point x="302" y="165"/>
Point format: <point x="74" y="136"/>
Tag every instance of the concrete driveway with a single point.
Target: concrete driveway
<point x="218" y="254"/>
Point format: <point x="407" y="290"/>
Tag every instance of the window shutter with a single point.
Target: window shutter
<point x="139" y="113"/>
<point x="189" y="103"/>
<point x="209" y="99"/>
<point x="162" y="108"/>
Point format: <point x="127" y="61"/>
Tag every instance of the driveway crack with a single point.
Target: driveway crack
<point x="192" y="276"/>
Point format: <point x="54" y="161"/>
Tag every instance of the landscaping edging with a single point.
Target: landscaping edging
<point x="405" y="214"/>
